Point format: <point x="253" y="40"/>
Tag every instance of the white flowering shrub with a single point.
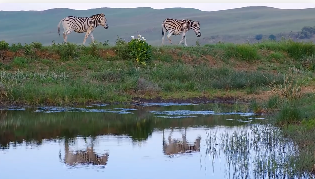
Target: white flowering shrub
<point x="140" y="50"/>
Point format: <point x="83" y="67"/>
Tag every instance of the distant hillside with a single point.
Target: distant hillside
<point x="41" y="26"/>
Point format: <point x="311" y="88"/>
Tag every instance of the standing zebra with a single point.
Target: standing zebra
<point x="176" y="27"/>
<point x="81" y="25"/>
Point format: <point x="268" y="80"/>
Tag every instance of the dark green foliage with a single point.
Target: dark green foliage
<point x="16" y="47"/>
<point x="299" y="50"/>
<point x="258" y="37"/>
<point x="140" y="50"/>
<point x="307" y="32"/>
<point x="4" y="45"/>
<point x="37" y="45"/>
<point x="289" y="114"/>
<point x="20" y="61"/>
<point x="244" y="52"/>
<point x="272" y="37"/>
<point x="66" y="51"/>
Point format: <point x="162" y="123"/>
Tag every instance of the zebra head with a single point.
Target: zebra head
<point x="100" y="20"/>
<point x="195" y="25"/>
<point x="102" y="160"/>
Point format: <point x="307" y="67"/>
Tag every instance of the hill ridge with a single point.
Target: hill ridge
<point x="237" y="23"/>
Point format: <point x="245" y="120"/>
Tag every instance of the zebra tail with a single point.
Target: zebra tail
<point x="162" y="32"/>
<point x="59" y="26"/>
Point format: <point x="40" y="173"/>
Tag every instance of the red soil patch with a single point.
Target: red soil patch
<point x="7" y="56"/>
<point x="45" y="54"/>
<point x="104" y="53"/>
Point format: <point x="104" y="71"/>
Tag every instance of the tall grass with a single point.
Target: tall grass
<point x="113" y="82"/>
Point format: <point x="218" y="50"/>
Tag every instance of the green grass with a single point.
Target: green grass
<point x="68" y="73"/>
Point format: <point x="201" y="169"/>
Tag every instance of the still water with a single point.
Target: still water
<point x="152" y="140"/>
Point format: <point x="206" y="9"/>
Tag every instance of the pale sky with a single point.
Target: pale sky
<point x="200" y="6"/>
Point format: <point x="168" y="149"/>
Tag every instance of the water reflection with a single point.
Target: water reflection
<point x="193" y="141"/>
<point x="83" y="157"/>
<point x="139" y="123"/>
<point x="178" y="147"/>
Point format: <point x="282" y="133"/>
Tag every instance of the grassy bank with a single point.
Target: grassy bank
<point x="277" y="77"/>
<point x="64" y="74"/>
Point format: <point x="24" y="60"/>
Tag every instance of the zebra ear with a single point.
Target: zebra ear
<point x="102" y="15"/>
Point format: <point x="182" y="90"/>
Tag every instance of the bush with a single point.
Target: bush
<point x="258" y="37"/>
<point x="140" y="50"/>
<point x="37" y="45"/>
<point x="16" y="47"/>
<point x="272" y="37"/>
<point x="66" y="51"/>
<point x="4" y="45"/>
<point x="306" y="32"/>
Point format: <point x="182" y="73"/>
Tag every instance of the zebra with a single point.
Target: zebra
<point x="178" y="147"/>
<point x="177" y="27"/>
<point x="81" y="25"/>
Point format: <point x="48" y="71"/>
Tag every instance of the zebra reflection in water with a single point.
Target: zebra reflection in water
<point x="86" y="157"/>
<point x="179" y="147"/>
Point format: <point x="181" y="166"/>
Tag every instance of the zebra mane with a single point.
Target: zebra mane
<point x="96" y="15"/>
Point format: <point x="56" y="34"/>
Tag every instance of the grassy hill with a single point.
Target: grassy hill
<point x="41" y="26"/>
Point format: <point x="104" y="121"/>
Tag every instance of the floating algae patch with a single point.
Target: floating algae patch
<point x="176" y="117"/>
<point x="236" y="113"/>
<point x="261" y="118"/>
<point x="73" y="109"/>
<point x="189" y="113"/>
<point x="13" y="109"/>
<point x="167" y="104"/>
<point x="100" y="105"/>
<point x="183" y="112"/>
<point x="240" y="120"/>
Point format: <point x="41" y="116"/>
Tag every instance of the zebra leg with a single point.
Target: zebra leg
<point x="169" y="35"/>
<point x="185" y="41"/>
<point x="86" y="35"/>
<point x="183" y="37"/>
<point x="65" y="35"/>
<point x="170" y="137"/>
<point x="92" y="37"/>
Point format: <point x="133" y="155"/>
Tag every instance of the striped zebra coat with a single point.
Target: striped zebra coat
<point x="81" y="25"/>
<point x="177" y="27"/>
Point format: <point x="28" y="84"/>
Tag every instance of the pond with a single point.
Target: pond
<point x="151" y="140"/>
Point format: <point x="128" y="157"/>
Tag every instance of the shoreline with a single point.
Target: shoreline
<point x="137" y="101"/>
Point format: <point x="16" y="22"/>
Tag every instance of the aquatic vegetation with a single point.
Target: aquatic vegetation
<point x="259" y="151"/>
